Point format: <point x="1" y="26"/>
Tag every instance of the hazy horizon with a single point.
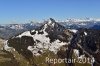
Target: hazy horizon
<point x="23" y="11"/>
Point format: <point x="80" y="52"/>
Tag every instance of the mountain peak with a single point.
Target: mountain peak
<point x="51" y="21"/>
<point x="52" y="25"/>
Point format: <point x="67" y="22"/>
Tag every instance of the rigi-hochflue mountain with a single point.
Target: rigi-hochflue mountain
<point x="54" y="40"/>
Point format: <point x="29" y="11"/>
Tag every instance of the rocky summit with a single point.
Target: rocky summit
<point x="52" y="40"/>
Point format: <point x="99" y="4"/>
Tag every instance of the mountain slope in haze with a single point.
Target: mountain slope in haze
<point x="10" y="30"/>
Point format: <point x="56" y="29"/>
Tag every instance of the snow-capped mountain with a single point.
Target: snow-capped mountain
<point x="27" y="26"/>
<point x="82" y="20"/>
<point x="57" y="39"/>
<point x="80" y="23"/>
<point x="16" y="26"/>
<point x="49" y="36"/>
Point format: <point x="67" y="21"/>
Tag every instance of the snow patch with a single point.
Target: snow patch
<point x="27" y="33"/>
<point x="81" y="57"/>
<point x="85" y="33"/>
<point x="54" y="47"/>
<point x="41" y="37"/>
<point x="93" y="60"/>
<point x="76" y="52"/>
<point x="34" y="50"/>
<point x="45" y="26"/>
<point x="33" y="31"/>
<point x="53" y="24"/>
<point x="6" y="47"/>
<point x="49" y="21"/>
<point x="73" y="30"/>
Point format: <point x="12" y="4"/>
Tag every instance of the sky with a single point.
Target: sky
<point x="22" y="11"/>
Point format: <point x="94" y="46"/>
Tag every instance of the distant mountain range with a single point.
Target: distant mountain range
<point x="9" y="30"/>
<point x="81" y="23"/>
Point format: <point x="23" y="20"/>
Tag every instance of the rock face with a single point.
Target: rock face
<point x="21" y="44"/>
<point x="87" y="41"/>
<point x="53" y="40"/>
